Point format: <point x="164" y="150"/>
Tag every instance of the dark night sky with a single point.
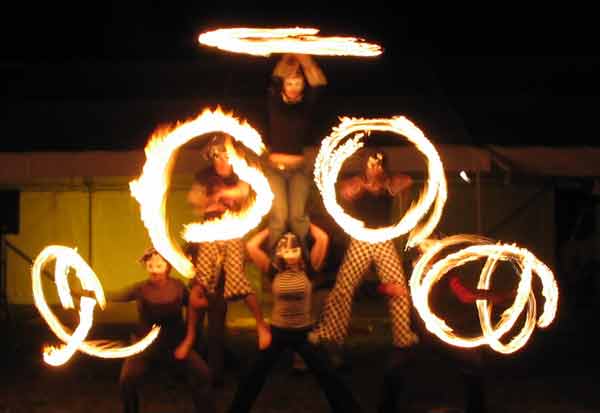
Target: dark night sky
<point x="491" y="74"/>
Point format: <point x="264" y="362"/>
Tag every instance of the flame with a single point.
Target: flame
<point x="150" y="189"/>
<point x="69" y="258"/>
<point x="425" y="275"/>
<point x="332" y="155"/>
<point x="234" y="225"/>
<point x="264" y="42"/>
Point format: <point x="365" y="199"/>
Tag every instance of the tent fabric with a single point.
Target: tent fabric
<point x="103" y="221"/>
<point x="31" y="166"/>
<point x="539" y="160"/>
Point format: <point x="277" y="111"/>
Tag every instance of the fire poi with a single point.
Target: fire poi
<point x="67" y="258"/>
<point x="427" y="272"/>
<point x="150" y="189"/>
<point x="420" y="220"/>
<point x="264" y="42"/>
<point x="334" y="151"/>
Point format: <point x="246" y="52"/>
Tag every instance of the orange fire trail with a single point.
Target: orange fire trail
<point x="264" y="42"/>
<point x="150" y="189"/>
<point x="332" y="155"/>
<point x="57" y="355"/>
<point x="426" y="274"/>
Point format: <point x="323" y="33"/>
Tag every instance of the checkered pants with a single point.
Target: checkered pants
<point x="333" y="325"/>
<point x="228" y="255"/>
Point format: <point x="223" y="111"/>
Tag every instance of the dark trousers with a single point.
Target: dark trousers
<point x="198" y="376"/>
<point x="468" y="362"/>
<point x="338" y="395"/>
<point x="210" y="342"/>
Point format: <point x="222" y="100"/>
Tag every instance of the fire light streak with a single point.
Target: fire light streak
<point x="425" y="275"/>
<point x="332" y="155"/>
<point x="264" y="42"/>
<point x="150" y="189"/>
<point x="57" y="355"/>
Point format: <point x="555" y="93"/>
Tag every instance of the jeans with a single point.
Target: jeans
<point x="291" y="189"/>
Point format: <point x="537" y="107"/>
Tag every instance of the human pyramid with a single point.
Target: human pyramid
<point x="247" y="181"/>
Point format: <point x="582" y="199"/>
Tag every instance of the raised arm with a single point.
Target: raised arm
<point x="351" y="188"/>
<point x="319" y="249"/>
<point x="286" y="66"/>
<point x="124" y="295"/>
<point x="399" y="183"/>
<point x="129" y="293"/>
<point x="290" y="63"/>
<point x="312" y="71"/>
<point x="256" y="253"/>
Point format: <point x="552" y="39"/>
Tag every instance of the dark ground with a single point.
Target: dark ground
<point x="556" y="372"/>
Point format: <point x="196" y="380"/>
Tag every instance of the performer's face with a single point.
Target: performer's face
<point x="157" y="267"/>
<point x="293" y="86"/>
<point x="292" y="257"/>
<point x="374" y="170"/>
<point x="221" y="164"/>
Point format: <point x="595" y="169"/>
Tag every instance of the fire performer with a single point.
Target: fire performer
<point x="220" y="264"/>
<point x="291" y="109"/>
<point x="452" y="297"/>
<point x="160" y="299"/>
<point x="369" y="196"/>
<point x="291" y="321"/>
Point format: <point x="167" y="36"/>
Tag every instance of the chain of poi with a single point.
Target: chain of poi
<point x="332" y="155"/>
<point x="425" y="275"/>
<point x="150" y="189"/>
<point x="69" y="258"/>
<point x="264" y="42"/>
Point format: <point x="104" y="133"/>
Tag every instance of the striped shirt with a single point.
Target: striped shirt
<point x="291" y="300"/>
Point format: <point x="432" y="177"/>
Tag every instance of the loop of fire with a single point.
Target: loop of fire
<point x="338" y="147"/>
<point x="66" y="259"/>
<point x="150" y="189"/>
<point x="437" y="263"/>
<point x="264" y="42"/>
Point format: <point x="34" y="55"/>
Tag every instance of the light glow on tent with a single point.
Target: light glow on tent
<point x="465" y="177"/>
